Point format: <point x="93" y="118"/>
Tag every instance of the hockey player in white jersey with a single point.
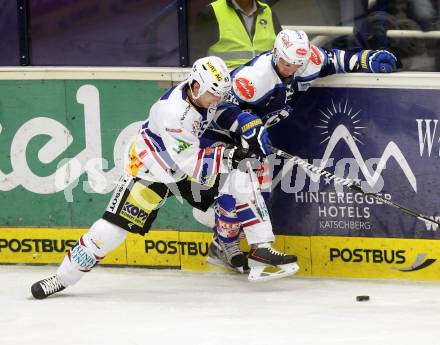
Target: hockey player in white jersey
<point x="263" y="93"/>
<point x="165" y="158"/>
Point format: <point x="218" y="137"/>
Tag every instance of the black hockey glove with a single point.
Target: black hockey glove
<point x="237" y="158"/>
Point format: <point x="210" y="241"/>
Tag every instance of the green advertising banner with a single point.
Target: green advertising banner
<point x="62" y="145"/>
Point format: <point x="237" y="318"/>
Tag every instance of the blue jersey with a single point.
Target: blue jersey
<point x="259" y="89"/>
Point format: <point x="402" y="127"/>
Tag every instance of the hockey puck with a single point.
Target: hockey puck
<point x="362" y="298"/>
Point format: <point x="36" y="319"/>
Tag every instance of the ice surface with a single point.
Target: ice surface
<point x="134" y="306"/>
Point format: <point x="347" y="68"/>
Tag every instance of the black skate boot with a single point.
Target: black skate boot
<point x="263" y="255"/>
<point x="227" y="255"/>
<point x="46" y="287"/>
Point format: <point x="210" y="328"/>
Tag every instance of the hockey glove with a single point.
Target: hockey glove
<point x="253" y="133"/>
<point x="276" y="116"/>
<point x="237" y="158"/>
<point x="377" y="61"/>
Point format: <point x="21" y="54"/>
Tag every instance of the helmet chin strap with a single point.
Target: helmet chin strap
<point x="193" y="98"/>
<point x="275" y="56"/>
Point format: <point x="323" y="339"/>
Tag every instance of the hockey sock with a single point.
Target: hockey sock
<point x="227" y="225"/>
<point x="91" y="248"/>
<point x="238" y="185"/>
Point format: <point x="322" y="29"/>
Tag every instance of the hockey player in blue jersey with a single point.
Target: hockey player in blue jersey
<point x="263" y="93"/>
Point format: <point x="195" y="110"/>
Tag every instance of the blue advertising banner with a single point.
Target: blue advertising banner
<point x="386" y="139"/>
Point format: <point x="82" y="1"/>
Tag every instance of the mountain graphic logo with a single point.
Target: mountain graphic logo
<point x="342" y="123"/>
<point x="347" y="127"/>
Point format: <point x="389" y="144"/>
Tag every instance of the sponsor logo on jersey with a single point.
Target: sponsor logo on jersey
<point x="185" y="113"/>
<point x="245" y="88"/>
<point x="117" y="195"/>
<point x="134" y="214"/>
<point x="182" y="146"/>
<point x="314" y="56"/>
<point x="301" y="52"/>
<point x="173" y="130"/>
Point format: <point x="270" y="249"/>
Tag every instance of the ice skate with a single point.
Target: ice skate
<point x="267" y="263"/>
<point x="227" y="255"/>
<point x="46" y="287"/>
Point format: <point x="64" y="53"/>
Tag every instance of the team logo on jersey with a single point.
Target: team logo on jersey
<point x="301" y="52"/>
<point x="314" y="56"/>
<point x="245" y="88"/>
<point x="286" y="41"/>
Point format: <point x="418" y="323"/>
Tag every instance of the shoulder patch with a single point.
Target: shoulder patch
<point x="245" y="88"/>
<point x="315" y="57"/>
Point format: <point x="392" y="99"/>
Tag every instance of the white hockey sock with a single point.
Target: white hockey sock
<point x="91" y="248"/>
<point x="257" y="230"/>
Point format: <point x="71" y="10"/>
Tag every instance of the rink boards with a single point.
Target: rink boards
<point x="353" y="257"/>
<point x="83" y="118"/>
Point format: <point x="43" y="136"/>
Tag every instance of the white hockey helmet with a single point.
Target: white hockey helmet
<point x="292" y="46"/>
<point x="212" y="75"/>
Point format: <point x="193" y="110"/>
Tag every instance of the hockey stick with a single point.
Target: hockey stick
<point x="260" y="205"/>
<point x="348" y="183"/>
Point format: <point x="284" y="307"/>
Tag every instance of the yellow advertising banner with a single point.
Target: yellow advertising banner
<point x="361" y="257"/>
<point x="46" y="246"/>
<point x="155" y="249"/>
<point x="354" y="257"/>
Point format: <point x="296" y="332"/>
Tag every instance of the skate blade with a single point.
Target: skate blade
<point x="265" y="273"/>
<point x="220" y="263"/>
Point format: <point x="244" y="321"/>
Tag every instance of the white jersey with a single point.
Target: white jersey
<point x="167" y="148"/>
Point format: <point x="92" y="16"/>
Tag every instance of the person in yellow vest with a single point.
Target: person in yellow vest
<point x="234" y="30"/>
